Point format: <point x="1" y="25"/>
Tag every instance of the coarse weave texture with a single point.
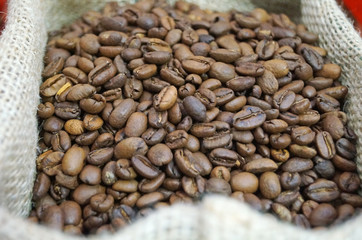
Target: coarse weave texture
<point x="22" y="47"/>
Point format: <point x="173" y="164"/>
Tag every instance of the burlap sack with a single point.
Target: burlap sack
<point x="21" y="52"/>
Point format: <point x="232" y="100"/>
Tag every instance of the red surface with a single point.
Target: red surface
<point x="2" y="13"/>
<point x="355" y="7"/>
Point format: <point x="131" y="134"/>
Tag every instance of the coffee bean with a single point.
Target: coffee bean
<point x="248" y="118"/>
<point x="349" y="182"/>
<point x="322" y="191"/>
<point x="244" y="182"/>
<point x="165" y="99"/>
<point x="217" y="185"/>
<point x="195" y="108"/>
<point x="83" y="193"/>
<point x="260" y="165"/>
<point x="269" y="185"/>
<point x="345" y="148"/>
<point x="323" y="215"/>
<point x="325" y="145"/>
<point x="129" y="147"/>
<point x="73" y="161"/>
<point x="222" y="71"/>
<point x="159" y="154"/>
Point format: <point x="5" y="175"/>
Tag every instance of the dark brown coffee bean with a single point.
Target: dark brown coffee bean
<point x="290" y="181"/>
<point x="73" y="161"/>
<point x="41" y="186"/>
<point x="322" y="191"/>
<point x="61" y="141"/>
<point x="323" y="215"/>
<point x="53" y="68"/>
<point x="195" y="108"/>
<point x="206" y="97"/>
<point x="149" y="199"/>
<point x="353" y="199"/>
<point x="144" y="167"/>
<point x="53" y="217"/>
<point x="217" y="185"/>
<point x="159" y="154"/>
<point x="349" y="182"/>
<point x="136" y="124"/>
<point x="346" y="149"/>
<point x="283" y="100"/>
<point x="72" y="212"/>
<point x="313" y="58"/>
<point x="129" y="147"/>
<point x="90" y="175"/>
<point x="244" y="182"/>
<point x="197" y="65"/>
<point x="83" y="193"/>
<point x="153" y="136"/>
<point x="302" y="151"/>
<point x="121" y="113"/>
<point x="101" y="202"/>
<point x="220" y="172"/>
<point x="325" y="145"/>
<point x="248" y="118"/>
<point x="309" y="118"/>
<point x="275" y="126"/>
<point x="297" y="165"/>
<point x="127" y="186"/>
<point x="269" y="185"/>
<point x="222" y="71"/>
<point x="100" y="156"/>
<point x="187" y="163"/>
<point x="260" y="165"/>
<point x="145" y="71"/>
<point x="203" y="129"/>
<point x="223" y="157"/>
<point x="165" y="99"/>
<point x="281" y="212"/>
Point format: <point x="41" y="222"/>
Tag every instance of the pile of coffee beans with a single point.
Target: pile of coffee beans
<point x="148" y="105"/>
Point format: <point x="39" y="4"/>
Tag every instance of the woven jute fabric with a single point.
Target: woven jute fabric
<point x="22" y="47"/>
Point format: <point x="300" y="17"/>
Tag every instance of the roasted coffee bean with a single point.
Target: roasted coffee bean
<point x="297" y="164"/>
<point x="248" y="118"/>
<point x="129" y="147"/>
<point x="136" y="124"/>
<point x="324" y="167"/>
<point x="127" y="186"/>
<point x="269" y="185"/>
<point x="83" y="193"/>
<point x="144" y="167"/>
<point x="348" y="182"/>
<point x="224" y="157"/>
<point x="53" y="85"/>
<point x="187" y="163"/>
<point x="217" y="185"/>
<point x="244" y="182"/>
<point x="194" y="107"/>
<point x="325" y="145"/>
<point x="90" y="175"/>
<point x="159" y="154"/>
<point x="290" y="181"/>
<point x="100" y="156"/>
<point x="260" y="165"/>
<point x="345" y="148"/>
<point x="153" y="136"/>
<point x="322" y="191"/>
<point x="323" y="215"/>
<point x="165" y="99"/>
<point x="73" y="160"/>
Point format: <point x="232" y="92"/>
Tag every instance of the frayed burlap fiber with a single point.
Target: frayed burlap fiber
<point x="22" y="47"/>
